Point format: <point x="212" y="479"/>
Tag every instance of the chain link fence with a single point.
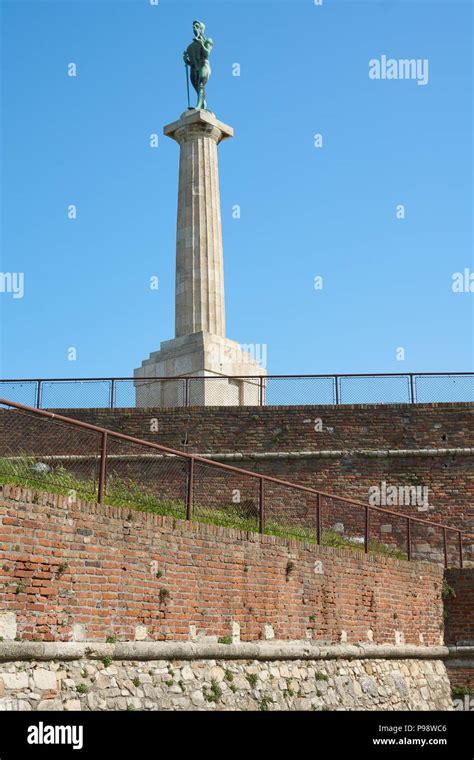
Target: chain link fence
<point x="270" y="390"/>
<point x="38" y="452"/>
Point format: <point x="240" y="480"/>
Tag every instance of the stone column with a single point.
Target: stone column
<point x="199" y="258"/>
<point x="200" y="348"/>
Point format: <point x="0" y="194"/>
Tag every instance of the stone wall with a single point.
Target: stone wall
<point x="280" y="676"/>
<point x="81" y="571"/>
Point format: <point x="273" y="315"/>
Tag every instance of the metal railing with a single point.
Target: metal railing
<point x="38" y="448"/>
<point x="269" y="390"/>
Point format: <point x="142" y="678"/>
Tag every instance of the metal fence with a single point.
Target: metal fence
<point x="270" y="390"/>
<point x="82" y="461"/>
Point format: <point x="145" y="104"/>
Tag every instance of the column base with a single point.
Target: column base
<point x="199" y="355"/>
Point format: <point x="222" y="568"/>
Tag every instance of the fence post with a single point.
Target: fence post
<point x="260" y="390"/>
<point x="261" y="506"/>
<point x="367" y="530"/>
<point x="445" y="548"/>
<point x="408" y="539"/>
<point x="412" y="389"/>
<point x="102" y="470"/>
<point x="112" y="394"/>
<point x="189" y="489"/>
<point x="461" y="564"/>
<point x="318" y="518"/>
<point x="186" y="391"/>
<point x="336" y="381"/>
<point x="38" y="394"/>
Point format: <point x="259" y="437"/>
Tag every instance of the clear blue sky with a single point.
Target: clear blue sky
<point x="304" y="211"/>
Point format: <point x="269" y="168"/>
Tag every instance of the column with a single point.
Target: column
<point x="199" y="255"/>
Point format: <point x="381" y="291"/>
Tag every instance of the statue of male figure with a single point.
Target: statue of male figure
<point x="196" y="56"/>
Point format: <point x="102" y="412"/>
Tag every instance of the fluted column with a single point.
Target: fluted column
<point x="199" y="256"/>
<point x="200" y="348"/>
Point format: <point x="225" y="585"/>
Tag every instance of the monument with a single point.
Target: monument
<point x="200" y="347"/>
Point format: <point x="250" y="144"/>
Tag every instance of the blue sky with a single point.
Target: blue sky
<point x="304" y="211"/>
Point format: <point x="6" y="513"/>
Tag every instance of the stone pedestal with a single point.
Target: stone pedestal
<point x="200" y="348"/>
<point x="199" y="355"/>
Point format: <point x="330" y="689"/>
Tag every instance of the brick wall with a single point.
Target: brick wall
<point x="72" y="571"/>
<point x="459" y="626"/>
<point x="358" y="446"/>
<point x="461" y="677"/>
<point x="460" y="607"/>
<point x="291" y="428"/>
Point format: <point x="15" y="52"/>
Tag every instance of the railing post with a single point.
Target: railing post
<point x="412" y="388"/>
<point x="461" y="563"/>
<point x="112" y="394"/>
<point x="318" y="518"/>
<point x="189" y="489"/>
<point x="38" y="394"/>
<point x="367" y="530"/>
<point x="102" y="470"/>
<point x="445" y="548"/>
<point x="408" y="539"/>
<point x="261" y="506"/>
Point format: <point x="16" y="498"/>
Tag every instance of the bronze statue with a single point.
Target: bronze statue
<point x="196" y="56"/>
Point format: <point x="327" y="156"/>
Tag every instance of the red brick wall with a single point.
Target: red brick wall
<point x="460" y="607"/>
<point x="291" y="428"/>
<point x="461" y="677"/>
<point x="459" y="625"/>
<point x="449" y="477"/>
<point x="81" y="564"/>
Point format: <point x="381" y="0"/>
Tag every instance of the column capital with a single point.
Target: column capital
<point x="197" y="123"/>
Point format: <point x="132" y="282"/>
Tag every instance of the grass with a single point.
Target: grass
<point x="130" y="494"/>
<point x="214" y="693"/>
<point x="447" y="591"/>
<point x="461" y="691"/>
<point x="320" y="676"/>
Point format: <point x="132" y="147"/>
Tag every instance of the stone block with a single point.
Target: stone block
<point x="15" y="681"/>
<point x="44" y="679"/>
<point x="72" y="704"/>
<point x="8" y="627"/>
